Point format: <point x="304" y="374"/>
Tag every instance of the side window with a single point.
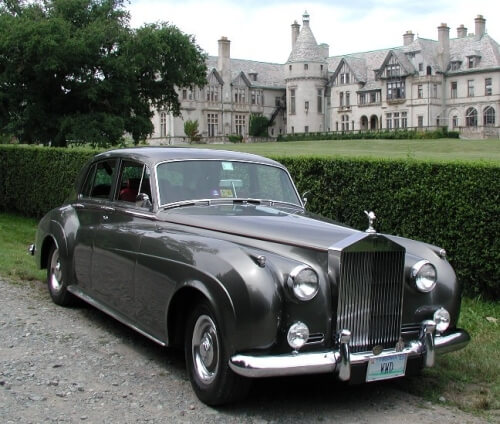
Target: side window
<point x="99" y="180"/>
<point x="134" y="179"/>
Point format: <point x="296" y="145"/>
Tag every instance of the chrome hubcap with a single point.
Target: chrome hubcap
<point x="55" y="278"/>
<point x="205" y="349"/>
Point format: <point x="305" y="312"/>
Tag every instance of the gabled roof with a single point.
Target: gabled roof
<point x="405" y="64"/>
<point x="213" y="72"/>
<point x="241" y="76"/>
<point x="356" y="65"/>
<point x="269" y="75"/>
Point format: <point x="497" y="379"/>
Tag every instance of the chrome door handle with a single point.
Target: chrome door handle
<point x="105" y="217"/>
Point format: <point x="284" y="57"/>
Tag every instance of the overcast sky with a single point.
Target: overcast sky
<point x="260" y="30"/>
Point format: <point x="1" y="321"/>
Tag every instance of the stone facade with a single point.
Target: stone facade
<point x="448" y="82"/>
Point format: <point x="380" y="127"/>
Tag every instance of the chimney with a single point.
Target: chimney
<point x="224" y="54"/>
<point x="295" y="33"/>
<point x="444" y="44"/>
<point x="224" y="67"/>
<point x="325" y="49"/>
<point x="408" y="38"/>
<point x="461" y="31"/>
<point x="480" y="26"/>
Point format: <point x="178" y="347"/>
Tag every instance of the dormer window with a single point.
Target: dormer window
<point x="455" y="65"/>
<point x="472" y="61"/>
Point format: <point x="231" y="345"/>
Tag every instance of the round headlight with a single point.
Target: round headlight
<point x="442" y="320"/>
<point x="424" y="276"/>
<point x="297" y="335"/>
<point x="304" y="282"/>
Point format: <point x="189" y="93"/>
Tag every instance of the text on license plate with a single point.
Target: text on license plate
<point x="384" y="367"/>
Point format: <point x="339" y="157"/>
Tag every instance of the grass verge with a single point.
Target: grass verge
<point x="468" y="379"/>
<point x="16" y="234"/>
<point x="444" y="149"/>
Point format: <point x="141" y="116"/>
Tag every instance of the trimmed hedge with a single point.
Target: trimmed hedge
<point x="401" y="134"/>
<point x="454" y="205"/>
<point x="34" y="180"/>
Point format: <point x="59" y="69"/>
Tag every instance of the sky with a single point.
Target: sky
<point x="260" y="29"/>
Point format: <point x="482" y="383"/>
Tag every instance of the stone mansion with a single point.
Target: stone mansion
<point x="451" y="82"/>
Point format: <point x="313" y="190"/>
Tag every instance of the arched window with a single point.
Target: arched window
<point x="471" y="117"/>
<point x="489" y="117"/>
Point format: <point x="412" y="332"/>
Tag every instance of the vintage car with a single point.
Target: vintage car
<point x="214" y="251"/>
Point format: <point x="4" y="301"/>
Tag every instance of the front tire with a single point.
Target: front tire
<point x="56" y="282"/>
<point x="207" y="360"/>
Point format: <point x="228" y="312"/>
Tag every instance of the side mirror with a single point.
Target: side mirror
<point x="142" y="200"/>
<point x="304" y="197"/>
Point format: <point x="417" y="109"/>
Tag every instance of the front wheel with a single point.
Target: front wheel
<point x="56" y="283"/>
<point x="207" y="360"/>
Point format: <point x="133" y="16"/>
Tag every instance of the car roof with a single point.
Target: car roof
<point x="153" y="155"/>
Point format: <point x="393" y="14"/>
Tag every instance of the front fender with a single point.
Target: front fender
<point x="250" y="289"/>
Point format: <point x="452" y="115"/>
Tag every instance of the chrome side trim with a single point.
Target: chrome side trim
<point x="119" y="317"/>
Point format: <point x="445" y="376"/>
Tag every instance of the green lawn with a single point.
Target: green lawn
<point x="440" y="150"/>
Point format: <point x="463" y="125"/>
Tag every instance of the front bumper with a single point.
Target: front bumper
<point x="340" y="361"/>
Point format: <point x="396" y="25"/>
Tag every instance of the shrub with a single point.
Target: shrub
<point x="453" y="205"/>
<point x="36" y="179"/>
<point x="235" y="138"/>
<point x="258" y="125"/>
<point x="400" y="134"/>
<point x="191" y="130"/>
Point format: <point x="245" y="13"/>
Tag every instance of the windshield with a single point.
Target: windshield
<point x="213" y="179"/>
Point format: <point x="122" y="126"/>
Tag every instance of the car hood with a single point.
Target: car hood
<point x="281" y="225"/>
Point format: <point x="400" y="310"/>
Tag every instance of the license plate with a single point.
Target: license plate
<point x="385" y="367"/>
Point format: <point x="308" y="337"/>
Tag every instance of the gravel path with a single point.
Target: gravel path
<point x="61" y="365"/>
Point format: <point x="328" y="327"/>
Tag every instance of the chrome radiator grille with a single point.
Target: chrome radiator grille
<point x="370" y="297"/>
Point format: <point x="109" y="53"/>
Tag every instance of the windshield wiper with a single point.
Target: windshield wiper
<point x="185" y="203"/>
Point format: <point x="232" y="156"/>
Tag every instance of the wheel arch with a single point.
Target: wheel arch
<point x="48" y="242"/>
<point x="185" y="300"/>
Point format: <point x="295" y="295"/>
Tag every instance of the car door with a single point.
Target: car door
<point x="117" y="239"/>
<point x="94" y="193"/>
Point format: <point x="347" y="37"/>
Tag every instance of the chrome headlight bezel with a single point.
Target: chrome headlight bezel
<point x="424" y="276"/>
<point x="303" y="282"/>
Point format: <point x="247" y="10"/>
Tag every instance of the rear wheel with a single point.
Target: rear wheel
<point x="56" y="282"/>
<point x="207" y="360"/>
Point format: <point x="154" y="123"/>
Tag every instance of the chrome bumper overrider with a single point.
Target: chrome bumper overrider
<point x="339" y="361"/>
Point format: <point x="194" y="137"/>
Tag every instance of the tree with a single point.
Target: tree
<point x="191" y="130"/>
<point x="258" y="125"/>
<point x="73" y="71"/>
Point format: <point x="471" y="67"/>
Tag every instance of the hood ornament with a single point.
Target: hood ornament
<point x="371" y="219"/>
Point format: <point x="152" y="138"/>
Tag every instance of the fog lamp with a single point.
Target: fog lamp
<point x="297" y="335"/>
<point x="442" y="320"/>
